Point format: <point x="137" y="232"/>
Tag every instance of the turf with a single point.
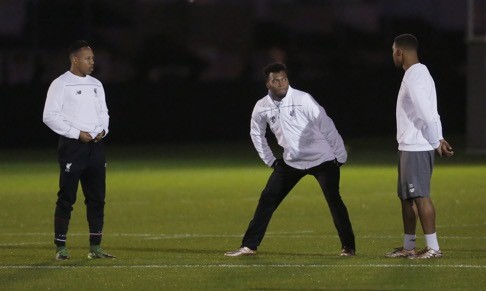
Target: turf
<point x="173" y="211"/>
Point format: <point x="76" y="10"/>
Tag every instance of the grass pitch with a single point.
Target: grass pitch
<point x="172" y="212"/>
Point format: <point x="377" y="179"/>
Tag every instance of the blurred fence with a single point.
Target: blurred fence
<point x="360" y="101"/>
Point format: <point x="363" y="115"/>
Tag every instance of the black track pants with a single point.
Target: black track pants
<point x="83" y="162"/>
<point x="281" y="181"/>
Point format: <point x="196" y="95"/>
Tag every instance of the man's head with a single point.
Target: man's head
<point x="276" y="79"/>
<point x="405" y="49"/>
<point x="81" y="57"/>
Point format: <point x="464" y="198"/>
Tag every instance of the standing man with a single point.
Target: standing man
<point x="76" y="110"/>
<point x="312" y="145"/>
<point x="419" y="134"/>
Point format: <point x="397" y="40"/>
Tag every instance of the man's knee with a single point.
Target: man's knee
<point x="63" y="209"/>
<point x="95" y="206"/>
<point x="422" y="201"/>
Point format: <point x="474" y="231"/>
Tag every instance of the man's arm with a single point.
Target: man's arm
<point x="425" y="119"/>
<point x="333" y="137"/>
<point x="52" y="115"/>
<point x="328" y="130"/>
<point x="105" y="118"/>
<point x="258" y="128"/>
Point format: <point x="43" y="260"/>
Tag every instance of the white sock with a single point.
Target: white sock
<point x="409" y="241"/>
<point x="431" y="240"/>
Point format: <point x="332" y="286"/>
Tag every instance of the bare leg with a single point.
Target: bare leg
<point x="409" y="216"/>
<point x="426" y="212"/>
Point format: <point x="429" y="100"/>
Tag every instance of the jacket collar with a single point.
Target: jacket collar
<point x="289" y="93"/>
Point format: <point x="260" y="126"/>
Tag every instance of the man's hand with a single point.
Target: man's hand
<point x="85" y="137"/>
<point x="99" y="136"/>
<point x="338" y="163"/>
<point x="276" y="162"/>
<point x="444" y="149"/>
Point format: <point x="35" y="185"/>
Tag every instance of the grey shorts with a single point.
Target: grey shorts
<point x="414" y="174"/>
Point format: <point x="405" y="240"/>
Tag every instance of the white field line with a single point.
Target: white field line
<point x="23" y="244"/>
<point x="461" y="225"/>
<point x="228" y="266"/>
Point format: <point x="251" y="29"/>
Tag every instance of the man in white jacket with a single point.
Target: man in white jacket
<point x="76" y="109"/>
<point x="419" y="134"/>
<point x="312" y="146"/>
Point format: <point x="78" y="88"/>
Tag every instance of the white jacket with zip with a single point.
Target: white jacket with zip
<point x="301" y="126"/>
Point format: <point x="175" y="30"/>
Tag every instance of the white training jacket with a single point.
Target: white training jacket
<point x="301" y="126"/>
<point x="75" y="104"/>
<point x="418" y="122"/>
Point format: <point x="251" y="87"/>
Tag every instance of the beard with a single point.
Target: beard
<point x="280" y="93"/>
<point x="398" y="63"/>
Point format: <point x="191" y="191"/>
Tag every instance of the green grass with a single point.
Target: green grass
<point x="172" y="212"/>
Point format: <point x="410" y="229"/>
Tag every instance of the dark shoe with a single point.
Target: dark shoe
<point x="98" y="253"/>
<point x="400" y="253"/>
<point x="62" y="254"/>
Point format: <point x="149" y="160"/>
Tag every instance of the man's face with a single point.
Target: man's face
<point x="84" y="61"/>
<point x="278" y="84"/>
<point x="397" y="56"/>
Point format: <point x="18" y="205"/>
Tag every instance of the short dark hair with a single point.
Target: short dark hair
<point x="76" y="45"/>
<point x="274" y="68"/>
<point x="406" y="41"/>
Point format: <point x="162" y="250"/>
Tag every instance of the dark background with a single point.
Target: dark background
<point x="190" y="71"/>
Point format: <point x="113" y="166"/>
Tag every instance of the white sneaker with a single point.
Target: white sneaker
<point x="244" y="251"/>
<point x="427" y="253"/>
<point x="347" y="252"/>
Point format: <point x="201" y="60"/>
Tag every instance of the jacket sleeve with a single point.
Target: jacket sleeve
<point x="52" y="115"/>
<point x="103" y="114"/>
<point x="328" y="130"/>
<point x="426" y="116"/>
<point x="258" y="128"/>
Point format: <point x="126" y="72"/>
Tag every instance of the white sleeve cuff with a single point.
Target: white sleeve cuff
<point x="73" y="133"/>
<point x="436" y="145"/>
